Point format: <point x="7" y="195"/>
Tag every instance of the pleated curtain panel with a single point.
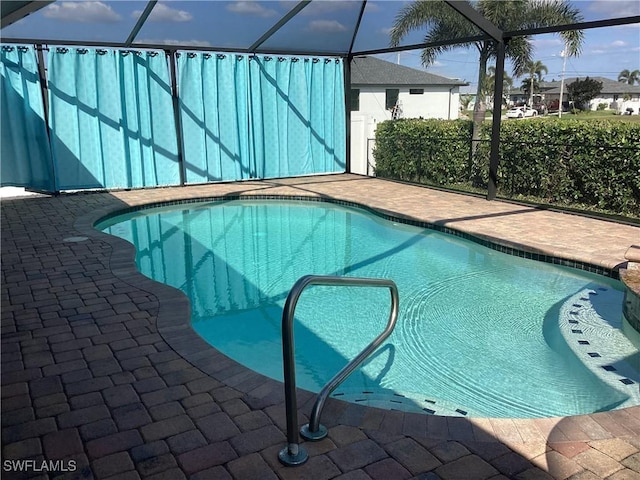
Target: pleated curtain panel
<point x="25" y="154"/>
<point x="112" y="125"/>
<point x="214" y="117"/>
<point x="111" y="119"/>
<point x="298" y="116"/>
<point x="250" y="116"/>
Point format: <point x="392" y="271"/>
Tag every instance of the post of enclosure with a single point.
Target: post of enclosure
<point x="293" y="454"/>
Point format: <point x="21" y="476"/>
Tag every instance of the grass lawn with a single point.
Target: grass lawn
<point x="591" y="115"/>
<point x="598" y="115"/>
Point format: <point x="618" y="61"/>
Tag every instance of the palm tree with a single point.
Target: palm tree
<point x="629" y="77"/>
<point x="490" y="81"/>
<point x="535" y="69"/>
<point x="442" y="23"/>
<point x="527" y="83"/>
<point x="465" y="100"/>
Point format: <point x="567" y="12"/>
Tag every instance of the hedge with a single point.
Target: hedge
<point x="424" y="151"/>
<point x="582" y="163"/>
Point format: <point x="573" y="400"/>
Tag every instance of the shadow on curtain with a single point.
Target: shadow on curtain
<point x="111" y="119"/>
<point x="298" y="116"/>
<point x="112" y="125"/>
<point x="214" y="117"/>
<point x="25" y="153"/>
<point x="260" y="117"/>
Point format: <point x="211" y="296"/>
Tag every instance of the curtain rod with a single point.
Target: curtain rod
<point x="170" y="48"/>
<point x="191" y="54"/>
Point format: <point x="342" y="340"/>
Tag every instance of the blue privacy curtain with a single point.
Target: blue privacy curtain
<point x="327" y="132"/>
<point x="260" y="117"/>
<point x="297" y="116"/>
<point x="111" y="119"/>
<point x="25" y="154"/>
<point x="214" y="117"/>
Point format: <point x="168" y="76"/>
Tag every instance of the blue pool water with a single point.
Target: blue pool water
<point x="480" y="333"/>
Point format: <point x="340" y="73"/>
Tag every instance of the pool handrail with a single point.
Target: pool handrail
<point x="293" y="454"/>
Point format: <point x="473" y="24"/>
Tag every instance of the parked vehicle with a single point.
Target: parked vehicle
<point x="541" y="108"/>
<point x="521" y="112"/>
<point x="554" y="106"/>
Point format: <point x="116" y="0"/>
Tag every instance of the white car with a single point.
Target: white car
<point x="521" y="112"/>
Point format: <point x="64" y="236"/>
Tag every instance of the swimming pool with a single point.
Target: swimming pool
<point x="480" y="333"/>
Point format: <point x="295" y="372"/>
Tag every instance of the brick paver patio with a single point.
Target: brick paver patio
<point x="102" y="377"/>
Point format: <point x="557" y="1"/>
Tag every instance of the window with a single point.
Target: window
<point x="416" y="91"/>
<point x="355" y="99"/>
<point x="391" y="98"/>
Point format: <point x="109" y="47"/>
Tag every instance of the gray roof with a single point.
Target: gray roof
<point x="374" y="71"/>
<point x="608" y="86"/>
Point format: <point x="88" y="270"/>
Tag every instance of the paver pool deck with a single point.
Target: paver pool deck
<point x="101" y="371"/>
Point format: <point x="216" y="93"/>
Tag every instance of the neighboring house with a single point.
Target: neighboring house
<point x="517" y="96"/>
<point x="382" y="90"/>
<point x="615" y="95"/>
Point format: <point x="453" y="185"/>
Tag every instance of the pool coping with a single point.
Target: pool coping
<point x="497" y="244"/>
<point x="173" y="323"/>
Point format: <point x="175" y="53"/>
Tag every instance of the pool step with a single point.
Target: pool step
<point x="600" y="342"/>
<point x="406" y="402"/>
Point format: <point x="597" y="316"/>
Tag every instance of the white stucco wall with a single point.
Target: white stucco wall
<point x="633" y="102"/>
<point x="607" y="99"/>
<point x="436" y="102"/>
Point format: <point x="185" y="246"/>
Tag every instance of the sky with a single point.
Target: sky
<point x="324" y="25"/>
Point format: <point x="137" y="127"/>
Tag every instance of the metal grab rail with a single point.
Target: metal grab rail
<point x="293" y="454"/>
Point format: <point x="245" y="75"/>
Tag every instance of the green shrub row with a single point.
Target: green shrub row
<point x="424" y="151"/>
<point x="587" y="164"/>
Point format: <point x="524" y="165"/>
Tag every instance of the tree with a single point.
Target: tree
<point x="465" y="100"/>
<point x="535" y="70"/>
<point x="530" y="86"/>
<point x="490" y="81"/>
<point x="581" y="92"/>
<point x="442" y="23"/>
<point x="629" y="77"/>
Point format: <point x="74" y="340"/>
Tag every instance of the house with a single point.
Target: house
<point x="517" y="96"/>
<point x="614" y="95"/>
<point x="382" y="90"/>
